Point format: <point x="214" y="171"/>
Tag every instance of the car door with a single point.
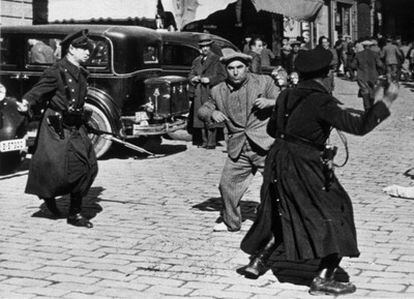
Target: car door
<point x="10" y="65"/>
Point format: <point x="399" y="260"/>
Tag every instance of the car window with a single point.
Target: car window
<point x="7" y="53"/>
<point x="150" y="55"/>
<point x="100" y="54"/>
<point x="179" y="55"/>
<point x="43" y="50"/>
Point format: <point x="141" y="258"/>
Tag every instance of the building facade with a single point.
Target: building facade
<point x="16" y="12"/>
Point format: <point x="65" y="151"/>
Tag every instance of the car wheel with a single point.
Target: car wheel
<point x="100" y="121"/>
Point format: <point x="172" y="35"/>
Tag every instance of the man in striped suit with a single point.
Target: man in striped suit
<point x="244" y="102"/>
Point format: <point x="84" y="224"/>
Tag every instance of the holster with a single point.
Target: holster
<point x="56" y="122"/>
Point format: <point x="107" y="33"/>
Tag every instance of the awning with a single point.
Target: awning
<point x="116" y="9"/>
<point x="301" y="10"/>
<point x="187" y="11"/>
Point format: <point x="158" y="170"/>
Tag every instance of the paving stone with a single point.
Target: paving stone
<point x="153" y="238"/>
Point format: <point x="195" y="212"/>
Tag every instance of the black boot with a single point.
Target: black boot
<point x="79" y="220"/>
<point x="325" y="284"/>
<point x="258" y="264"/>
<point x="75" y="218"/>
<point x="52" y="207"/>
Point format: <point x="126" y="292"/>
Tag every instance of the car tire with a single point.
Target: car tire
<point x="99" y="121"/>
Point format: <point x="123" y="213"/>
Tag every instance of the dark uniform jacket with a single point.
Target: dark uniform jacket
<point x="61" y="165"/>
<point x="244" y="120"/>
<point x="312" y="221"/>
<point x="211" y="68"/>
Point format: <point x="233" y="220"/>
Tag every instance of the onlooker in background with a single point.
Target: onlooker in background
<point x="40" y="52"/>
<point x="367" y="64"/>
<point x="325" y="44"/>
<point x="266" y="56"/>
<point x="392" y="57"/>
<point x="256" y="48"/>
<point x="340" y="48"/>
<point x="246" y="43"/>
<point x="206" y="72"/>
<point x="350" y="54"/>
<point x="244" y="102"/>
<point x="289" y="63"/>
<point x="285" y="51"/>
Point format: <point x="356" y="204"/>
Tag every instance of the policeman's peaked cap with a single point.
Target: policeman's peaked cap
<point x="78" y="39"/>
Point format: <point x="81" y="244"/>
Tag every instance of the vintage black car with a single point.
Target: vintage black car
<point x="127" y="93"/>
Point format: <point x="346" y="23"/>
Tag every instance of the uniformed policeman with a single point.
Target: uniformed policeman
<point x="64" y="160"/>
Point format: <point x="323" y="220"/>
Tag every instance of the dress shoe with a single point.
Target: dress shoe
<point x="52" y="207"/>
<point x="323" y="286"/>
<point x="255" y="268"/>
<point x="79" y="220"/>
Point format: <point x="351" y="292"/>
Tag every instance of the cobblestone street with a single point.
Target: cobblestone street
<point x="153" y="220"/>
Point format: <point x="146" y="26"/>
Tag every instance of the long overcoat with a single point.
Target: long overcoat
<point x="314" y="221"/>
<point x="61" y="165"/>
<point x="211" y="68"/>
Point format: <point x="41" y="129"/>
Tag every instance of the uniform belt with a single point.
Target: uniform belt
<point x="300" y="141"/>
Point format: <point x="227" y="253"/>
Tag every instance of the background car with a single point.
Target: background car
<point x="122" y="96"/>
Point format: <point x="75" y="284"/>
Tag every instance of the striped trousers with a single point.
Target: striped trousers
<point x="235" y="180"/>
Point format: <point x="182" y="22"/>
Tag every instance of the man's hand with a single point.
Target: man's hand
<point x="195" y="79"/>
<point x="218" y="116"/>
<point x="205" y="80"/>
<point x="262" y="103"/>
<point x="22" y="106"/>
<point x="388" y="95"/>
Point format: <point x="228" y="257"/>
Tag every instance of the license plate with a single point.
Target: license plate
<point x="12" y="145"/>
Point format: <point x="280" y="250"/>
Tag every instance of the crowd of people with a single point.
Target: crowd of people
<point x="278" y="130"/>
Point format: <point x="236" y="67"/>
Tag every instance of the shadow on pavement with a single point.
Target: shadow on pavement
<point x="90" y="206"/>
<point x="152" y="144"/>
<point x="214" y="204"/>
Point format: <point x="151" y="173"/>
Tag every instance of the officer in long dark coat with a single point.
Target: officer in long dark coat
<point x="206" y="72"/>
<point x="303" y="205"/>
<point x="64" y="160"/>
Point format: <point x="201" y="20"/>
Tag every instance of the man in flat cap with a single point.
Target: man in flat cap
<point x="244" y="101"/>
<point x="206" y="71"/>
<point x="303" y="206"/>
<point x="64" y="160"/>
<point x="367" y="63"/>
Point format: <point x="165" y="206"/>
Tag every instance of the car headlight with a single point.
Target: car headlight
<point x="2" y="92"/>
